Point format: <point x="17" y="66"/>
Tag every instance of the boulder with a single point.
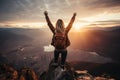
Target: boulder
<point x="28" y="74"/>
<point x="8" y="73"/>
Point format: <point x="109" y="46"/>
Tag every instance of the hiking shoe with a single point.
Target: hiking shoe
<point x="54" y="64"/>
<point x="62" y="66"/>
<point x="63" y="70"/>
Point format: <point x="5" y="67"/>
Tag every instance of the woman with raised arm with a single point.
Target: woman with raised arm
<point x="60" y="38"/>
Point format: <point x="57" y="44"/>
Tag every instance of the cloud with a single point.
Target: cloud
<point x="21" y="10"/>
<point x="32" y="11"/>
<point x="107" y="3"/>
<point x="48" y="48"/>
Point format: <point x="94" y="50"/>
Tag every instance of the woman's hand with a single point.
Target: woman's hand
<point x="46" y="13"/>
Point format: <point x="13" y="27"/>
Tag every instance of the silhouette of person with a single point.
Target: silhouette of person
<point x="60" y="28"/>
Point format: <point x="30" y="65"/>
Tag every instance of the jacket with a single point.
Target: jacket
<point x="67" y="29"/>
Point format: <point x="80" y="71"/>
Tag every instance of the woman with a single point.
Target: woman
<point x="60" y="38"/>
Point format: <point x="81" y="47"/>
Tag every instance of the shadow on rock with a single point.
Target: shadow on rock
<point x="57" y="73"/>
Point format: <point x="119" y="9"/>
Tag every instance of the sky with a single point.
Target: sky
<point x="29" y="13"/>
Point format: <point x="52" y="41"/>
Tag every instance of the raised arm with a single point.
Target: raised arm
<point x="49" y="22"/>
<point x="70" y="23"/>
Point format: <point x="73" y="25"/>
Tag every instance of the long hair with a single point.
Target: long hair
<point x="60" y="26"/>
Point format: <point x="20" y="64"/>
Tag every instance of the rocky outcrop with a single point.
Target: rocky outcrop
<point x="52" y="73"/>
<point x="8" y="73"/>
<point x="28" y="74"/>
<point x="57" y="73"/>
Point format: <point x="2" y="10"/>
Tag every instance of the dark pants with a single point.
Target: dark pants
<point x="63" y="56"/>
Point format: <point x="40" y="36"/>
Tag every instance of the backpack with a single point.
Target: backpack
<point x="59" y="40"/>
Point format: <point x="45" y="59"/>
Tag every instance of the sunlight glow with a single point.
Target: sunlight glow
<point x="28" y="25"/>
<point x="77" y="26"/>
<point x="103" y="17"/>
